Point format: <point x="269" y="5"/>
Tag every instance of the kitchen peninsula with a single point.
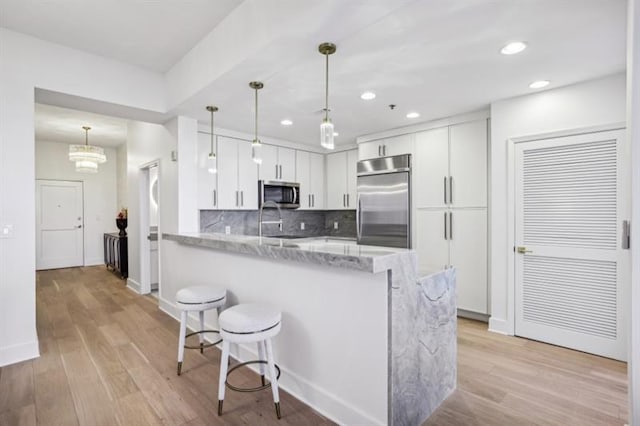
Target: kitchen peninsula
<point x="364" y="339"/>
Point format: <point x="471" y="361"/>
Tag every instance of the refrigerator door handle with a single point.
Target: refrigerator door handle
<point x="359" y="219"/>
<point x="445" y="190"/>
<point x="450" y="189"/>
<point x="451" y="225"/>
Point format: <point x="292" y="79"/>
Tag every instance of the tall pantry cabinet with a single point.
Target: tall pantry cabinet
<point x="450" y="207"/>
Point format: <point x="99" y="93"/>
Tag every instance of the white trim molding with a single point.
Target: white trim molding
<point x="133" y="285"/>
<point x="18" y="353"/>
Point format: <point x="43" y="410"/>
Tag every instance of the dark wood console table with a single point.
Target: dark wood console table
<point x="116" y="255"/>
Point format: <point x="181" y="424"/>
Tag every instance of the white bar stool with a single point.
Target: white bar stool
<point x="250" y="323"/>
<point x="199" y="298"/>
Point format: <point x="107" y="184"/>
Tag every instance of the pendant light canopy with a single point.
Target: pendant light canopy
<point x="256" y="152"/>
<point x="212" y="161"/>
<point x="326" y="128"/>
<point x="85" y="156"/>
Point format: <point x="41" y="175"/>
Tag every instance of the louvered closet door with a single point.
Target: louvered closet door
<point x="571" y="198"/>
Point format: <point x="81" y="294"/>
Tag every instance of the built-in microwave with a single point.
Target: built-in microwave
<point x="285" y="194"/>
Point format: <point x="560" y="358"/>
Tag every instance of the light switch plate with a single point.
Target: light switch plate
<point x="227" y="230"/>
<point x="335" y="225"/>
<point x="7" y="231"/>
<point x="302" y="226"/>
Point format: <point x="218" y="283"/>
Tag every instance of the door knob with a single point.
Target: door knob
<point x="523" y="250"/>
<point x="79" y="226"/>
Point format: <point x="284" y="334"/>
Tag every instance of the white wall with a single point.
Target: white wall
<point x="121" y="175"/>
<point x="100" y="205"/>
<point x="633" y="120"/>
<point x="148" y="142"/>
<point x="27" y="63"/>
<point x="592" y="103"/>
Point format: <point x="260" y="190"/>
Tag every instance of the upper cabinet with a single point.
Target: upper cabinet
<point x="387" y="147"/>
<point x="342" y="180"/>
<point x="450" y="166"/>
<point x="310" y="176"/>
<point x="278" y="163"/>
<point x="207" y="181"/>
<point x="237" y="175"/>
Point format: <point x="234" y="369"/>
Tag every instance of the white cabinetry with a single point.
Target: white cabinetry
<point x="450" y="206"/>
<point x="388" y="147"/>
<point x="310" y="176"/>
<point x="237" y="175"/>
<point x="278" y="163"/>
<point x="207" y="182"/>
<point x="342" y="180"/>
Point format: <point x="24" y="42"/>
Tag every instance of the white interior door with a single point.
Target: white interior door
<point x="572" y="275"/>
<point x="59" y="233"/>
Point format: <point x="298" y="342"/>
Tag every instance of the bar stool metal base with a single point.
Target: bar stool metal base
<point x="201" y="346"/>
<point x="257" y="388"/>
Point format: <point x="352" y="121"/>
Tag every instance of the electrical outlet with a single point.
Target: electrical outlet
<point x="335" y="225"/>
<point x="302" y="226"/>
<point x="227" y="230"/>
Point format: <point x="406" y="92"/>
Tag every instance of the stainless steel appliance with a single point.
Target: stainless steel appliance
<point x="285" y="194"/>
<point x="384" y="202"/>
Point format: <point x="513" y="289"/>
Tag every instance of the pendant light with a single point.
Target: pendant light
<point x="212" y="163"/>
<point x="86" y="157"/>
<point x="256" y="145"/>
<point x="326" y="128"/>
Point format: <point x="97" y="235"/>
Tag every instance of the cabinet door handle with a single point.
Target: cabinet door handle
<point x="384" y="150"/>
<point x="445" y="190"/>
<point x="280" y="171"/>
<point x="237" y="198"/>
<point x="450" y="189"/>
<point x="241" y="198"/>
<point x="276" y="171"/>
<point x="215" y="197"/>
<point x="348" y="200"/>
<point x="309" y="197"/>
<point x="379" y="155"/>
<point x="344" y="200"/>
<point x="451" y="225"/>
<point x="313" y="199"/>
<point x="445" y="225"/>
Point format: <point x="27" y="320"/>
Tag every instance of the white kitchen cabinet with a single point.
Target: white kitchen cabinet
<point x="207" y="182"/>
<point x="468" y="164"/>
<point x="431" y="243"/>
<point x="468" y="239"/>
<point x="278" y="163"/>
<point x="387" y="147"/>
<point x="450" y="181"/>
<point x="342" y="180"/>
<point x="431" y="168"/>
<point x="237" y="175"/>
<point x="310" y="176"/>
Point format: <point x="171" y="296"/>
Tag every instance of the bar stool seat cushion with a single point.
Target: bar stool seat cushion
<point x="200" y="294"/>
<point x="249" y="318"/>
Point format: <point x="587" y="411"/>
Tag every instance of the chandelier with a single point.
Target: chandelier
<point x="85" y="156"/>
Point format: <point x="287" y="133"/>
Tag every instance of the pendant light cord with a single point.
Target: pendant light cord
<point x="211" y="152"/>
<point x="256" y="125"/>
<point x="326" y="87"/>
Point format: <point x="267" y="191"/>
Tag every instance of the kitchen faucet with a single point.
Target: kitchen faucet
<point x="260" y="221"/>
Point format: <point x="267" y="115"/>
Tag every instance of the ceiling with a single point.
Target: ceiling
<point x="437" y="58"/>
<point x="152" y="34"/>
<point x="63" y="125"/>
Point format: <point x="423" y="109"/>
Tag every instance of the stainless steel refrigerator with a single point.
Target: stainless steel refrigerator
<point x="384" y="202"/>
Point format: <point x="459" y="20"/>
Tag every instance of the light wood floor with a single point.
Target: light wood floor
<point x="108" y="358"/>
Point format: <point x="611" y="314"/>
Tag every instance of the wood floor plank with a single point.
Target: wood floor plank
<point x="24" y="416"/>
<point x="54" y="403"/>
<point x="16" y="386"/>
<point x="133" y="409"/>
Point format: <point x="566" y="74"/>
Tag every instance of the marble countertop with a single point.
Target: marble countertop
<point x="329" y="251"/>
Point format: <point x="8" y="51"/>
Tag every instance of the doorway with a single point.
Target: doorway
<point x="572" y="266"/>
<point x="59" y="224"/>
<point x="150" y="228"/>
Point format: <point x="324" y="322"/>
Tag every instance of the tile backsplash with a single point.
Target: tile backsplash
<point x="316" y="222"/>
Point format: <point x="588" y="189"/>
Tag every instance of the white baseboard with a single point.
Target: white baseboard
<point x="497" y="325"/>
<point x="18" y="353"/>
<point x="324" y="402"/>
<point x="133" y="285"/>
<point x="94" y="261"/>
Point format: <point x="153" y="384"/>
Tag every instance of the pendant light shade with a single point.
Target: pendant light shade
<point x="85" y="156"/>
<point x="326" y="128"/>
<point x="212" y="161"/>
<point x="256" y="145"/>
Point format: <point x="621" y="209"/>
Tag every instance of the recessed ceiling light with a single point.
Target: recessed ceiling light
<point x="336" y="134"/>
<point x="413" y="115"/>
<point x="286" y="122"/>
<point x="513" y="48"/>
<point x="367" y="96"/>
<point x="539" y="84"/>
